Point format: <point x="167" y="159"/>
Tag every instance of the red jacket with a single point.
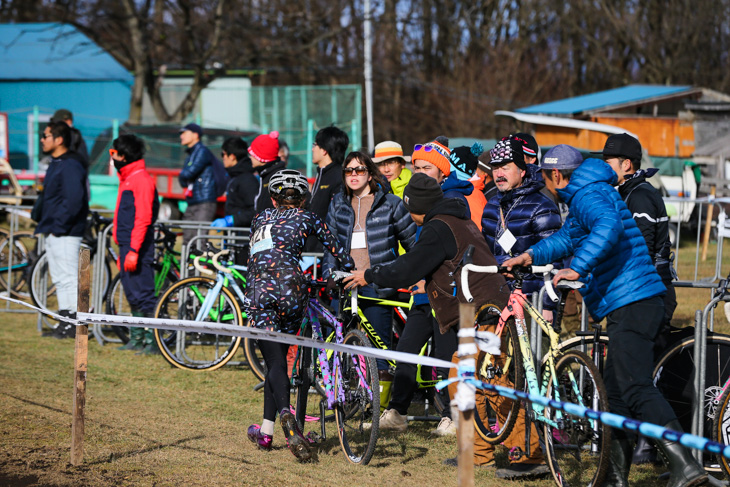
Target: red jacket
<point x="137" y="206"/>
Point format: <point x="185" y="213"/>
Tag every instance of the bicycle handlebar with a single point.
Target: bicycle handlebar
<point x="218" y="255"/>
<point x="493" y="269"/>
<point x="201" y="269"/>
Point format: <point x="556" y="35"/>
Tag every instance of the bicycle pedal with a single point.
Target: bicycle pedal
<point x="515" y="453"/>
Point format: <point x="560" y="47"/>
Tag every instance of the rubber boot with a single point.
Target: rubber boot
<point x="684" y="470"/>
<point x="150" y="344"/>
<point x="645" y="452"/>
<point x="619" y="463"/>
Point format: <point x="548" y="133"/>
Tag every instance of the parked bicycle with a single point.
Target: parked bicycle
<point x="576" y="448"/>
<point x="22" y="260"/>
<point x="216" y="297"/>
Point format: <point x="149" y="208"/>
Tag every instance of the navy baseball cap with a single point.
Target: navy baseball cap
<point x="622" y="145"/>
<point x="561" y="157"/>
<point x="193" y="127"/>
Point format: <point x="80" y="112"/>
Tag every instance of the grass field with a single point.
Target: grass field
<point x="150" y="425"/>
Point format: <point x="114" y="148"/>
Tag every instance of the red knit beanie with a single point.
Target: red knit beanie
<point x="265" y="147"/>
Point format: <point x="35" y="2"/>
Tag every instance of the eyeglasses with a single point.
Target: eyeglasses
<point x="113" y="152"/>
<point x="43" y="136"/>
<point x="429" y="148"/>
<point x="359" y="170"/>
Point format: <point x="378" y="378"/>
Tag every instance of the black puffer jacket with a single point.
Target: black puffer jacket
<point x="241" y="193"/>
<point x="387" y="224"/>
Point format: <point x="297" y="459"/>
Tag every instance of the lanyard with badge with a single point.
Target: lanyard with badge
<point x="358" y="232"/>
<point x="506" y="240"/>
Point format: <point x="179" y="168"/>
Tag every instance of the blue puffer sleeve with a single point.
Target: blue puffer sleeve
<point x="405" y="227"/>
<point x="199" y="160"/>
<point x="328" y="261"/>
<point x="555" y="247"/>
<point x="596" y="214"/>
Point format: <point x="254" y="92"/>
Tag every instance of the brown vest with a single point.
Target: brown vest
<point x="485" y="288"/>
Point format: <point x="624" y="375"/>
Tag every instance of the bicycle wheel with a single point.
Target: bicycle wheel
<point x="577" y="449"/>
<point x="117" y="304"/>
<point x="674" y="376"/>
<point x="584" y="344"/>
<point x="21" y="261"/>
<point x="195" y="350"/>
<point x="254" y="358"/>
<point x="496" y="417"/>
<point x="721" y="428"/>
<point x="356" y="379"/>
<point x="306" y="379"/>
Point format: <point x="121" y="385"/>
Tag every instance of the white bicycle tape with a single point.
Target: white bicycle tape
<point x="238" y="331"/>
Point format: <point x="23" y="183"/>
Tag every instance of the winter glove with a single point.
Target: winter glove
<point x="130" y="261"/>
<point x="226" y="221"/>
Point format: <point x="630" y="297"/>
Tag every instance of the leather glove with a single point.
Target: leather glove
<point x="130" y="261"/>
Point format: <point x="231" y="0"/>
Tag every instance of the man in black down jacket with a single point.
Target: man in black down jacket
<point x="63" y="218"/>
<point x="242" y="188"/>
<point x="328" y="153"/>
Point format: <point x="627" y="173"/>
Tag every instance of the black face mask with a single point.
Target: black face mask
<point x="118" y="165"/>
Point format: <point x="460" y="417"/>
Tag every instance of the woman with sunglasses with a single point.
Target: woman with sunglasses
<point x="370" y="222"/>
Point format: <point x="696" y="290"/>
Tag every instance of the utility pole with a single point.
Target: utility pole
<point x="367" y="31"/>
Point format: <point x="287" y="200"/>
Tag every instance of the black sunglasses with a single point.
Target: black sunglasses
<point x="359" y="170"/>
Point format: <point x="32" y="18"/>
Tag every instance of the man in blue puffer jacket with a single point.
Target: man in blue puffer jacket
<point x="622" y="285"/>
<point x="197" y="178"/>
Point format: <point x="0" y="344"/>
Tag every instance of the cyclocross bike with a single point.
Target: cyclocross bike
<point x="202" y="298"/>
<point x="576" y="448"/>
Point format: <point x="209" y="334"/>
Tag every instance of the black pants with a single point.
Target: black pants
<point x="276" y="386"/>
<point x="420" y="326"/>
<point x="632" y="330"/>
<point x="139" y="286"/>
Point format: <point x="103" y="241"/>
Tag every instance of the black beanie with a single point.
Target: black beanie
<point x="422" y="194"/>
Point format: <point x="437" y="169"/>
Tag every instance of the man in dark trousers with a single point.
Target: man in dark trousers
<point x="78" y="145"/>
<point x="63" y="218"/>
<point x="198" y="179"/>
<point x="623" y="153"/>
<point x="328" y="154"/>
<point x="135" y="215"/>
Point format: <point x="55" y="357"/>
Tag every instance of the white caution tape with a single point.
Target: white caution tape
<point x="238" y="331"/>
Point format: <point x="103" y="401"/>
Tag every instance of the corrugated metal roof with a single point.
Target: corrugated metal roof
<point x="51" y="51"/>
<point x="626" y="95"/>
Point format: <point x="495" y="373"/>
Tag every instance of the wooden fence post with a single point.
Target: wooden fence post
<point x="465" y="431"/>
<point x="708" y="224"/>
<point x="81" y="352"/>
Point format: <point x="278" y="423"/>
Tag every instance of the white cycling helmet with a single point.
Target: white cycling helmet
<point x="288" y="179"/>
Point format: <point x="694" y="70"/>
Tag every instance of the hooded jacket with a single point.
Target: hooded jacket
<point x="529" y="215"/>
<point x="198" y="170"/>
<point x="65" y="197"/>
<point x="387" y="224"/>
<point x="241" y="193"/>
<point x="137" y="207"/>
<point x="609" y="252"/>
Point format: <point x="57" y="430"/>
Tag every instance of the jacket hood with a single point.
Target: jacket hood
<point x="448" y="206"/>
<point x="452" y="183"/>
<point x="531" y="183"/>
<point x="243" y="166"/>
<point x="589" y="172"/>
<point x="271" y="167"/>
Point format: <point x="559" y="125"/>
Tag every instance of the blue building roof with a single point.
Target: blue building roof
<point x="51" y="51"/>
<point x="602" y="100"/>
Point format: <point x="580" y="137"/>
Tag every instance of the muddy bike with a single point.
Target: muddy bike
<point x="576" y="448"/>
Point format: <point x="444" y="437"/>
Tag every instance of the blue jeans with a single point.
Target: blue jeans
<point x="63" y="264"/>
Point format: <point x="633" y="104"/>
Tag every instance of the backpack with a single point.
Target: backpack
<point x="221" y="176"/>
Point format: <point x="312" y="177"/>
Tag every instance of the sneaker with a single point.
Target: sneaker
<point x="393" y="420"/>
<point x="297" y="443"/>
<point x="446" y="427"/>
<point x="522" y="470"/>
<point x="256" y="436"/>
<point x="454" y="462"/>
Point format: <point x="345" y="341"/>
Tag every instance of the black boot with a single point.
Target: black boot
<point x="645" y="452"/>
<point x="619" y="463"/>
<point x="684" y="470"/>
<point x="64" y="329"/>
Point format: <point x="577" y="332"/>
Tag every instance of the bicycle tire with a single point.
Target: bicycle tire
<point x="584" y="344"/>
<point x="496" y="418"/>
<point x="721" y="427"/>
<point x="254" y="358"/>
<point x="674" y="376"/>
<point x="360" y="405"/>
<point x="578" y="452"/>
<point x="197" y="351"/>
<point x="21" y="261"/>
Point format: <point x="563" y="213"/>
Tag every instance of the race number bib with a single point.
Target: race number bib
<point x="507" y="241"/>
<point x="262" y="240"/>
<point x="358" y="241"/>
